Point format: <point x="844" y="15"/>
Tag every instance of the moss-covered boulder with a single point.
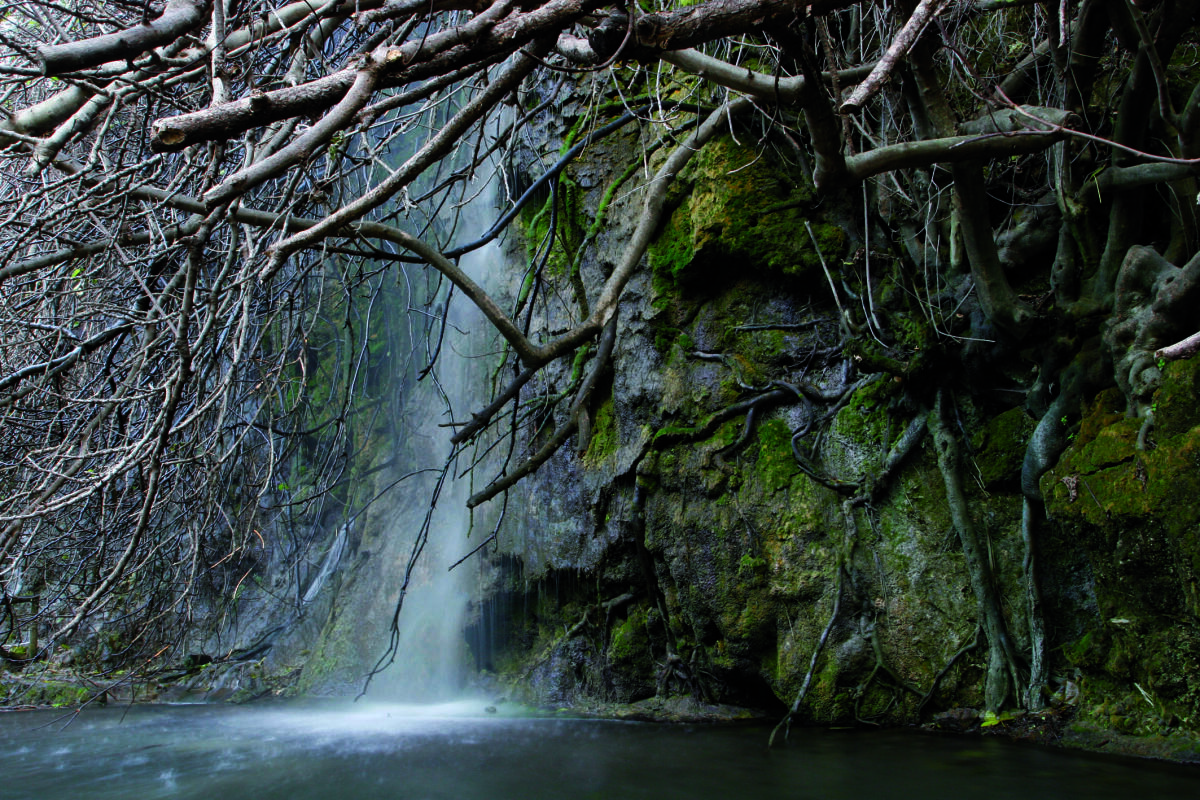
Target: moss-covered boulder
<point x="1133" y="512"/>
<point x="742" y="208"/>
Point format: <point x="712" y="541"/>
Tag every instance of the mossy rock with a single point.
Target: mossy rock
<point x="1088" y="651"/>
<point x="860" y="434"/>
<point x="604" y="439"/>
<point x="1134" y="513"/>
<point x="1177" y="401"/>
<point x="629" y="644"/>
<point x="54" y="693"/>
<point x="1000" y="447"/>
<point x="776" y="464"/>
<point x="744" y="210"/>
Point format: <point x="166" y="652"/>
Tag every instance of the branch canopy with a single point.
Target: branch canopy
<point x="178" y="18"/>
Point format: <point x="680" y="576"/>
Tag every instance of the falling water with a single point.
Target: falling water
<point x="383" y="546"/>
<point x="432" y="655"/>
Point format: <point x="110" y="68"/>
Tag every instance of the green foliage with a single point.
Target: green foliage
<point x="749" y="564"/>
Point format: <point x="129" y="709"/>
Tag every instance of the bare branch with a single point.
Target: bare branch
<point x="1183" y="349"/>
<point x="924" y="153"/>
<point x="179" y="17"/>
<point x="479" y="39"/>
<point x="922" y="15"/>
<point x="437" y="147"/>
<point x="786" y="91"/>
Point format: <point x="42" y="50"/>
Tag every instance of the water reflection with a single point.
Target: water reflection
<point x="458" y="751"/>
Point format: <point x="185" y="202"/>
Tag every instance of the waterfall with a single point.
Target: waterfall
<point x="403" y="448"/>
<point x="432" y="654"/>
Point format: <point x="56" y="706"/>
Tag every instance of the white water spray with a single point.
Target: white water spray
<point x="432" y="655"/>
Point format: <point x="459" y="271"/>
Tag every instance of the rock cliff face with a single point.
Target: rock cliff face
<point x="754" y="510"/>
<point x="753" y="484"/>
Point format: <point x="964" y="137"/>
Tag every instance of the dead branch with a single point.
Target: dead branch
<point x="922" y="15"/>
<point x="178" y="18"/>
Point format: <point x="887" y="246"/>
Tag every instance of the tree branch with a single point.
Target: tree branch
<point x="926" y="152"/>
<point x="603" y="354"/>
<point x="924" y="13"/>
<point x="178" y="18"/>
<point x="1183" y="349"/>
<point x="479" y="39"/>
<point x="785" y="91"/>
<point x="434" y="149"/>
<point x="302" y="147"/>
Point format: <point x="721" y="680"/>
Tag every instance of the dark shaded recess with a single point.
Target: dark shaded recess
<point x="499" y="621"/>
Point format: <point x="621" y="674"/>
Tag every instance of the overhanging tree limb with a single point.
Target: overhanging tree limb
<point x="178" y="18"/>
<point x="445" y="139"/>
<point x="477" y="39"/>
<point x="953" y="149"/>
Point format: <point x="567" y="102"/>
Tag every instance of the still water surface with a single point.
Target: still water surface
<point x="342" y="752"/>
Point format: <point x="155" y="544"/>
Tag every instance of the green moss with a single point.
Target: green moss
<point x="912" y="330"/>
<point x="672" y="252"/>
<point x="827" y="701"/>
<point x="1133" y="513"/>
<point x="744" y="210"/>
<point x="674" y="432"/>
<point x="604" y="439"/>
<point x="1177" y="401"/>
<point x="870" y="356"/>
<point x="563" y="208"/>
<point x="629" y="641"/>
<point x="749" y="565"/>
<point x="762" y="347"/>
<point x="1183" y="72"/>
<point x="1086" y="651"/>
<point x="1113" y="445"/>
<point x="999" y="447"/>
<point x="673" y="343"/>
<point x="865" y="421"/>
<point x="776" y="464"/>
<point x="754" y="623"/>
<point x="59" y="694"/>
<point x="728" y="433"/>
<point x="768" y="665"/>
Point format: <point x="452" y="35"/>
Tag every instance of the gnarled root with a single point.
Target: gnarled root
<point x="1155" y="306"/>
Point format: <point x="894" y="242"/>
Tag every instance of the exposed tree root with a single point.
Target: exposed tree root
<point x="786" y="722"/>
<point x="1030" y="513"/>
<point x="976" y="640"/>
<point x="880" y="665"/>
<point x="864" y="493"/>
<point x="1002" y="677"/>
<point x="607" y="342"/>
<point x="1156" y="304"/>
<point x="674" y="668"/>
